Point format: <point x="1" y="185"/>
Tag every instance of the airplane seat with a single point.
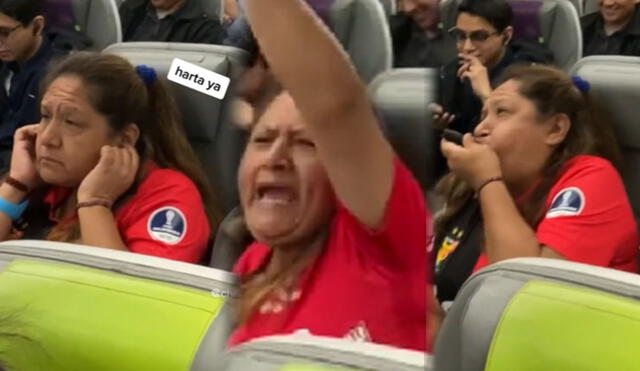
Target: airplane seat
<point x="542" y="314"/>
<point x="615" y="86"/>
<point x="591" y="6"/>
<point x="390" y="7"/>
<point x="72" y="307"/>
<point x="362" y="28"/>
<point x="100" y="21"/>
<point x="579" y="5"/>
<point x="402" y="97"/>
<point x="557" y="26"/>
<point x="216" y="141"/>
<point x="231" y="240"/>
<point x="304" y="352"/>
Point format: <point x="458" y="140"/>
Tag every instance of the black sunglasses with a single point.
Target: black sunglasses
<point x="475" y="36"/>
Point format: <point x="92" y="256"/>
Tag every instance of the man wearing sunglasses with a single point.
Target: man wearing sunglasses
<point x="24" y="52"/>
<point x="483" y="34"/>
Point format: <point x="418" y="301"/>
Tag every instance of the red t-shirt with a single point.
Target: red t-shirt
<point x="164" y="218"/>
<point x="365" y="285"/>
<point x="589" y="218"/>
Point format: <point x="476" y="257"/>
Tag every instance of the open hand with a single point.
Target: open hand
<point x="23" y="156"/>
<point x="112" y="176"/>
<point x="472" y="69"/>
<point x="473" y="161"/>
<point x="441" y="119"/>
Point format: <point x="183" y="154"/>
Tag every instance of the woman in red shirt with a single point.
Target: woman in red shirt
<point x="534" y="180"/>
<point x="339" y="221"/>
<point x="108" y="165"/>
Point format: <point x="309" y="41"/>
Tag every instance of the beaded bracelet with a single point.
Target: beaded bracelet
<point x="16" y="184"/>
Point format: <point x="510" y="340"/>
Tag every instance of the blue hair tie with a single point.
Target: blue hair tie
<point x="147" y="74"/>
<point x="580" y="83"/>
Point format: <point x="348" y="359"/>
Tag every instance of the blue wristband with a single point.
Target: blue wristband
<point x="13" y="211"/>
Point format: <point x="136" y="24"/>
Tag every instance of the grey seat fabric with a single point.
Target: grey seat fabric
<point x="465" y="336"/>
<point x="277" y="352"/>
<point x="99" y="20"/>
<point x="218" y="143"/>
<point x="402" y="96"/>
<point x="579" y="5"/>
<point x="559" y="26"/>
<point x="591" y="6"/>
<point x="219" y="283"/>
<point x="390" y="6"/>
<point x="362" y="28"/>
<point x="231" y="240"/>
<point x="615" y="86"/>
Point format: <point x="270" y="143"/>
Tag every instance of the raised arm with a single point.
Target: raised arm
<point x="313" y="68"/>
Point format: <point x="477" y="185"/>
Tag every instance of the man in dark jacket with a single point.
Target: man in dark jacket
<point x="25" y="53"/>
<point x="614" y="30"/>
<point x="419" y="38"/>
<point x="484" y="41"/>
<point x="183" y="21"/>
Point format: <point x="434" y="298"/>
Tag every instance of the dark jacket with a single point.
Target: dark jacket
<point x="22" y="106"/>
<point x="623" y="42"/>
<point x="413" y="48"/>
<point x="190" y="24"/>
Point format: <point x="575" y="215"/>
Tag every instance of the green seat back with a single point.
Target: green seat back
<point x="308" y="367"/>
<point x="551" y="326"/>
<point x="64" y="317"/>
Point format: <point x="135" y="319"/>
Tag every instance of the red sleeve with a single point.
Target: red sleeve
<point x="166" y="218"/>
<point x="589" y="218"/>
<point x="402" y="238"/>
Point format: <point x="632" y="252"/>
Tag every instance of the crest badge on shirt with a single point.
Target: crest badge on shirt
<point x="168" y="225"/>
<point x="568" y="202"/>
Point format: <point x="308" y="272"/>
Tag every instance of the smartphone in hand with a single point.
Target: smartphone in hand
<point x="452" y="136"/>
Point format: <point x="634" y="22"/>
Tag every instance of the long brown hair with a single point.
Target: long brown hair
<point x="118" y="92"/>
<point x="260" y="89"/>
<point x="552" y="92"/>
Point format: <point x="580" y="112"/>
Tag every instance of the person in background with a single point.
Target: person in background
<point x="419" y="38"/>
<point x="239" y="32"/>
<point x="336" y="216"/>
<point x="180" y="21"/>
<point x="231" y="11"/>
<point x="108" y="166"/>
<point x="535" y="179"/>
<point x="25" y="53"/>
<point x="614" y="30"/>
<point x="483" y="34"/>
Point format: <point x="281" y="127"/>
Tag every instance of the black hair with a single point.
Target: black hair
<point x="24" y="11"/>
<point x="497" y="12"/>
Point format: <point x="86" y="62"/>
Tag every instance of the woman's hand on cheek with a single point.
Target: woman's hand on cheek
<point x="474" y="162"/>
<point x="23" y="157"/>
<point x="112" y="176"/>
